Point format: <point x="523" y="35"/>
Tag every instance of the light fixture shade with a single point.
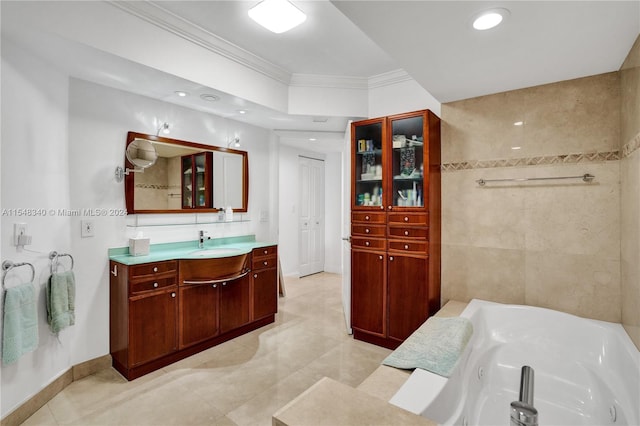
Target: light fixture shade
<point x="277" y="16"/>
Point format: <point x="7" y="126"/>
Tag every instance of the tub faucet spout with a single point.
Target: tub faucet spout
<point x="523" y="413"/>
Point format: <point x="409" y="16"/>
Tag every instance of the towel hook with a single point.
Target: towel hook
<point x="8" y="265"/>
<point x="54" y="255"/>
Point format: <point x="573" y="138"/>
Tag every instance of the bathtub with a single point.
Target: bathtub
<point x="587" y="372"/>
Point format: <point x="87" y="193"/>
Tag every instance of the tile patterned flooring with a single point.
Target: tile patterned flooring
<point x="240" y="382"/>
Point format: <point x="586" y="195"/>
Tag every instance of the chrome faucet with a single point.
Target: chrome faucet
<point x="523" y="413"/>
<point x="201" y="238"/>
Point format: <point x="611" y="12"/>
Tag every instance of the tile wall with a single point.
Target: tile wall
<point x="630" y="192"/>
<point x="555" y="243"/>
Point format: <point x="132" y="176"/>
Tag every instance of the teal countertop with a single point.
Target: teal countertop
<point x="190" y="250"/>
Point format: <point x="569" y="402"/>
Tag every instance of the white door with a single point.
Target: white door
<point x="346" y="227"/>
<point x="311" y="218"/>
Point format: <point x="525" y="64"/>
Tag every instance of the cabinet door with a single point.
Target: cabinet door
<point x="198" y="313"/>
<point x="152" y="326"/>
<point x="368" y="291"/>
<point x="367" y="153"/>
<point x="409" y="153"/>
<point x="234" y="303"/>
<point x="265" y="293"/>
<point x="408" y="294"/>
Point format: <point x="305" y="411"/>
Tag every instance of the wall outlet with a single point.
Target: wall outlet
<point x="87" y="228"/>
<point x="19" y="233"/>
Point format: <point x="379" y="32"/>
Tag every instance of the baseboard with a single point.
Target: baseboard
<point x="33" y="404"/>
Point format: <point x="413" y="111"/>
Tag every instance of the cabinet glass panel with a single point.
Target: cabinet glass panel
<point x="368" y="165"/>
<point x="407" y="161"/>
<point x="187" y="182"/>
<point x="200" y="181"/>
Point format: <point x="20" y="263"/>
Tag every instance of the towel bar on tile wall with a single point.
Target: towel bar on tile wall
<point x="585" y="177"/>
<point x="8" y="265"/>
<point x="54" y="255"/>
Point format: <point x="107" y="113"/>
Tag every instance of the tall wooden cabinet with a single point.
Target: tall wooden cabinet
<point x="395" y="225"/>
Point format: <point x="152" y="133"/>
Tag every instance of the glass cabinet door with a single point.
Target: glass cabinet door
<point x="199" y="181"/>
<point x="196" y="181"/>
<point x="367" y="166"/>
<point x="187" y="182"/>
<point x="407" y="161"/>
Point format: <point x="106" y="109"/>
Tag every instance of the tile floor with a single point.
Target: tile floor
<point x="240" y="382"/>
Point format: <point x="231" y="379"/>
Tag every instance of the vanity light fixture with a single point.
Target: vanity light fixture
<point x="165" y="129"/>
<point x="235" y="142"/>
<point x="277" y="16"/>
<point x="489" y="19"/>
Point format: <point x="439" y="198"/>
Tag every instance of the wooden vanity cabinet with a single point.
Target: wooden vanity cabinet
<point x="264" y="282"/>
<point x="162" y="312"/>
<point x="395" y="226"/>
<point x="143" y="313"/>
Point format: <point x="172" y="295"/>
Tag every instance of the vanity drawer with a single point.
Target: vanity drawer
<point x="150" y="269"/>
<point x="368" y="217"/>
<point x="264" y="263"/>
<point x="150" y="285"/>
<point x="408" y="218"/>
<point x="265" y="251"/>
<point x="368" y="230"/>
<point x="408" y="232"/>
<point x="409" y="246"/>
<point x="368" y="243"/>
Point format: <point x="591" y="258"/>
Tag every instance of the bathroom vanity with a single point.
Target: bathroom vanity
<point x="180" y="300"/>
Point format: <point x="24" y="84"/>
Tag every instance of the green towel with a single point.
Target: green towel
<point x="435" y="346"/>
<point x="61" y="299"/>
<point x="20" y="324"/>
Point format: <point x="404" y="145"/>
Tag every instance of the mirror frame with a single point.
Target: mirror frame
<point x="129" y="183"/>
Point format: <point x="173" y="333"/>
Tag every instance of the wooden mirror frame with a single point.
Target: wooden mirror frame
<point x="129" y="183"/>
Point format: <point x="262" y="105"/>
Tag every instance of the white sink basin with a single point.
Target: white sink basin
<point x="220" y="251"/>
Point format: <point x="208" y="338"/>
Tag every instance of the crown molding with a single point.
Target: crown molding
<point x="328" y="81"/>
<point x="156" y="15"/>
<point x="388" y="78"/>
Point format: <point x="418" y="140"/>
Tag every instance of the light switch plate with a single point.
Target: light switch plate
<point x="18" y="230"/>
<point x="87" y="228"/>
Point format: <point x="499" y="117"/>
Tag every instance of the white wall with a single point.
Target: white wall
<point x="333" y="217"/>
<point x="403" y="96"/>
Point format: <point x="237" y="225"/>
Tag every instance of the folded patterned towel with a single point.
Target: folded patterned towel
<point x="435" y="346"/>
<point x="61" y="295"/>
<point x="20" y="322"/>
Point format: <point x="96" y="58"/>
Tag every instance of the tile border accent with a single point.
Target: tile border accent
<point x="631" y="146"/>
<point x="585" y="157"/>
<point x="46" y="394"/>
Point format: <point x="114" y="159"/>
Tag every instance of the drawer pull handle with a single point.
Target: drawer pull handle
<point x="155" y="269"/>
<point x="194" y="282"/>
<point x="406" y="232"/>
<point x="367" y="231"/>
<point x="366" y="243"/>
<point x="406" y="218"/>
<point x="155" y="285"/>
<point x="366" y="218"/>
<point x="406" y="246"/>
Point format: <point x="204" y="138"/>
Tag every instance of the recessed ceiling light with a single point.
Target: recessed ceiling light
<point x="242" y="111"/>
<point x="518" y="123"/>
<point x="489" y="19"/>
<point x="312" y="139"/>
<point x="209" y="97"/>
<point x="515" y="147"/>
<point x="181" y="93"/>
<point x="277" y="16"/>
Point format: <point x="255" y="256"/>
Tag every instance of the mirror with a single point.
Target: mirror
<point x="184" y="177"/>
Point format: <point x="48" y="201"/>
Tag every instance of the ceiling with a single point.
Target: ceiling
<point x="540" y="42"/>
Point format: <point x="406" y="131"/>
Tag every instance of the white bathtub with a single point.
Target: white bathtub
<point x="587" y="372"/>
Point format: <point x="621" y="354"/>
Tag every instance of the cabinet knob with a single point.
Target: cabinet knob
<point x="155" y="285"/>
<point x="255" y="275"/>
<point x="266" y="252"/>
<point x="155" y="269"/>
<point x="366" y="218"/>
<point x="367" y="231"/>
<point x="265" y="263"/>
<point x="380" y="257"/>
<point x="388" y="207"/>
<point x="224" y="283"/>
<point x="366" y="243"/>
<point x="406" y="232"/>
<point x="214" y="285"/>
<point x="381" y="207"/>
<point x="173" y="295"/>
<point x="406" y="246"/>
<point x="406" y="218"/>
<point x="390" y="257"/>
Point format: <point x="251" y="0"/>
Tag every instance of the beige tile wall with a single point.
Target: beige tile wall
<point x="630" y="193"/>
<point x="553" y="244"/>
